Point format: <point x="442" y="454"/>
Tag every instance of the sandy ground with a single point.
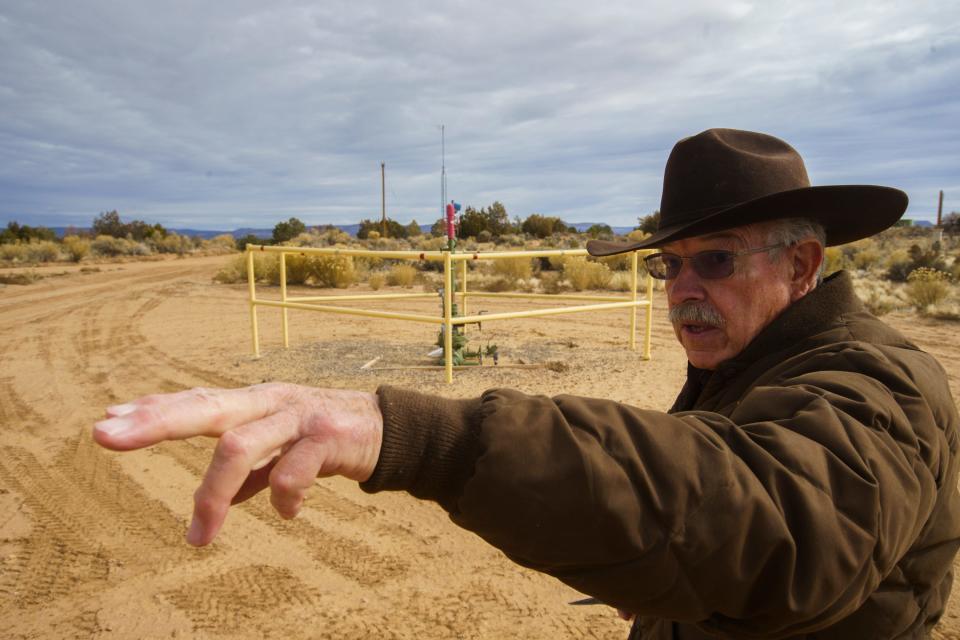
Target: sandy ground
<point x="91" y="542"/>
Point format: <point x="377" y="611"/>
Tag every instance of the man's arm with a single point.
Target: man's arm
<point x="779" y="519"/>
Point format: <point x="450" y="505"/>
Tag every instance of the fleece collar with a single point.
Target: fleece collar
<point x="812" y="314"/>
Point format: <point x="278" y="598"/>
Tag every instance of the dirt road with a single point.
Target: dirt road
<point x="91" y="543"/>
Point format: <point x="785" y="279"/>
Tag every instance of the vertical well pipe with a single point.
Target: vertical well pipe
<point x="448" y="317"/>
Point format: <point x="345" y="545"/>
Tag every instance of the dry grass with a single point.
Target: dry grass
<point x="927" y="287"/>
<point x="586" y="275"/>
<point x="402" y="275"/>
<point x="513" y="268"/>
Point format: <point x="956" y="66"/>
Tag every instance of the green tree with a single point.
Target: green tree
<point x="650" y="223"/>
<point x="394" y="228"/>
<point x="108" y="223"/>
<point x="471" y="223"/>
<point x="439" y="228"/>
<point x="24" y="233"/>
<point x="543" y="226"/>
<point x="598" y="230"/>
<point x="951" y="223"/>
<point x="413" y="229"/>
<point x="286" y="231"/>
<point x="498" y="222"/>
<point x="251" y="239"/>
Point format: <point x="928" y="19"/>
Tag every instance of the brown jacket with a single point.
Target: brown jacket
<point x="806" y="487"/>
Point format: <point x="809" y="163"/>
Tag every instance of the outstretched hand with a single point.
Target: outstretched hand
<point x="278" y="435"/>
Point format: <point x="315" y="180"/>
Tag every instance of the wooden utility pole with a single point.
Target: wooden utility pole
<point x="940" y="209"/>
<point x="383" y="200"/>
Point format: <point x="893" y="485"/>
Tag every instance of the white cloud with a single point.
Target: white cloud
<point x="214" y="115"/>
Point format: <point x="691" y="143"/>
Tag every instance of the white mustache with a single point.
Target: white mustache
<point x="697" y="313"/>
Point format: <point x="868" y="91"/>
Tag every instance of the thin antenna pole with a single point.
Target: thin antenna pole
<point x="443" y="171"/>
<point x="383" y="199"/>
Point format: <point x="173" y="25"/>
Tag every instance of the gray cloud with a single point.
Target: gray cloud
<point x="230" y="114"/>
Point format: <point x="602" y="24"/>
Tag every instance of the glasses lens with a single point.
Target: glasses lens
<point x="664" y="266"/>
<point x="713" y="264"/>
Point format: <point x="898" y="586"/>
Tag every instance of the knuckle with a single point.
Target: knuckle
<point x="285" y="483"/>
<point x="203" y="501"/>
<point x="233" y="445"/>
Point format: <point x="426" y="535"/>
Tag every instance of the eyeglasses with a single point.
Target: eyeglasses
<point x="709" y="265"/>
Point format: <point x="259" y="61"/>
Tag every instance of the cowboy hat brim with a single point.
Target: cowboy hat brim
<point x="847" y="213"/>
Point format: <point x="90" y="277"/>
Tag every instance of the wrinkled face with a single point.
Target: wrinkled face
<point x="716" y="319"/>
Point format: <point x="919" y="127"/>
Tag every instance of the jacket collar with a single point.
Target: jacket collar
<point x="812" y="314"/>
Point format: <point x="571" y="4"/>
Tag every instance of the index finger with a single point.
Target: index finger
<point x="177" y="416"/>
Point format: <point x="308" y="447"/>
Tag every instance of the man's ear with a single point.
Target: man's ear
<point x="805" y="265"/>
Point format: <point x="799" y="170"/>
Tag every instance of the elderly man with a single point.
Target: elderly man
<point x="804" y="484"/>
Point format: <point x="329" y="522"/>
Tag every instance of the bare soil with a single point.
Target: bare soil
<point x="91" y="542"/>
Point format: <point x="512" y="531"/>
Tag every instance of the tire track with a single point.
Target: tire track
<point x="15" y="414"/>
<point x="349" y="558"/>
<point x="85" y="510"/>
<point x="254" y="595"/>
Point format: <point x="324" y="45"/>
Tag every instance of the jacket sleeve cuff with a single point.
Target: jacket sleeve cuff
<point x="430" y="445"/>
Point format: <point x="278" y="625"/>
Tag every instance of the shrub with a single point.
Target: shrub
<point x="109" y="246"/>
<point x="621" y="281"/>
<point x="866" y="259"/>
<point x="172" y="243"/>
<point x="76" y="247"/>
<point x="265" y="268"/>
<point x="43" y="251"/>
<point x="298" y="268"/>
<point x="513" y="268"/>
<point x="224" y="242"/>
<point x="552" y="282"/>
<point x="426" y="243"/>
<point x="898" y="266"/>
<point x="833" y="260"/>
<point x="376" y="281"/>
<point x="619" y="262"/>
<point x="402" y="275"/>
<point x="926" y="287"/>
<point x="14" y="252"/>
<point x="586" y="275"/>
<point x="331" y="271"/>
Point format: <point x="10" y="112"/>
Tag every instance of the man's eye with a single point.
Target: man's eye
<point x="671" y="262"/>
<point x="716" y="258"/>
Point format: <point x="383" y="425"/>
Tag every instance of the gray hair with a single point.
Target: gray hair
<point x="790" y="231"/>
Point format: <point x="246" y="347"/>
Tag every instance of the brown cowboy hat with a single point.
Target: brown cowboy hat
<point x="725" y="178"/>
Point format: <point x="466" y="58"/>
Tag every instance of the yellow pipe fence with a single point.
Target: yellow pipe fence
<point x="448" y="320"/>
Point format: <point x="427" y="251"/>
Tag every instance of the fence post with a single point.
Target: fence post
<point x="463" y="287"/>
<point x="251" y="281"/>
<point x="448" y="316"/>
<point x="283" y="297"/>
<point x="646" y="339"/>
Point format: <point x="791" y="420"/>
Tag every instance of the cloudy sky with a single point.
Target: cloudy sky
<point x="217" y="115"/>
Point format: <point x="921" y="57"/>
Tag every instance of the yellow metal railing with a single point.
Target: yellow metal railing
<point x="448" y="320"/>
